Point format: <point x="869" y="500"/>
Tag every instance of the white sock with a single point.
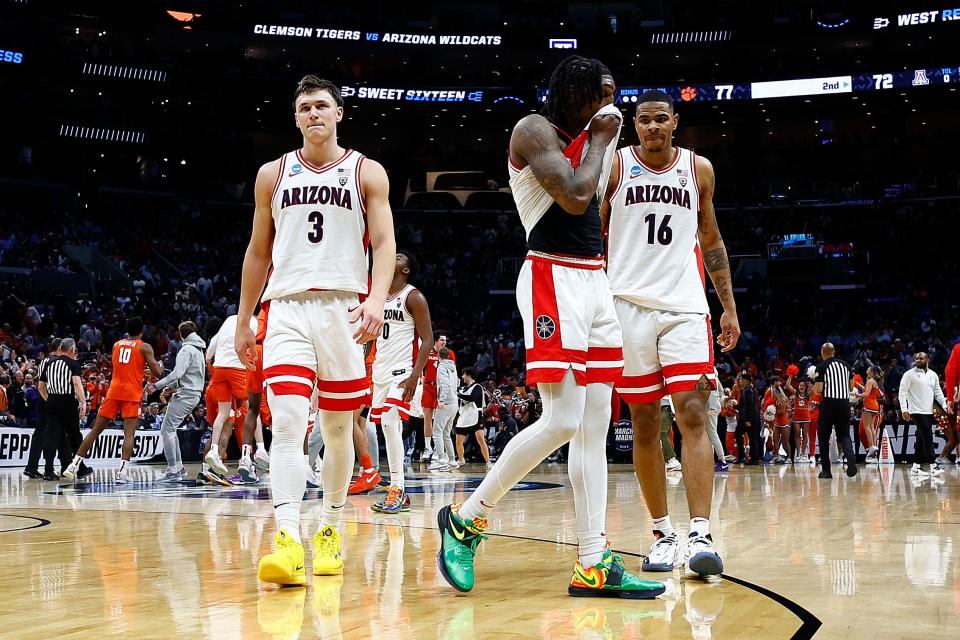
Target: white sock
<point x="247" y="450"/>
<point x="215" y="449"/>
<point x="288" y="477"/>
<point x="287" y="516"/>
<point x="204" y="467"/>
<point x="588" y="474"/>
<point x="563" y="404"/>
<point x="700" y="526"/>
<point x="390" y="421"/>
<point x="663" y="525"/>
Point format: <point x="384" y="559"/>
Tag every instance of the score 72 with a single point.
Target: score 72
<point x="724" y="91"/>
<point x="883" y="81"/>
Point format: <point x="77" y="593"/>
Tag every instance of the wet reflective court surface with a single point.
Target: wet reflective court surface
<point x="868" y="557"/>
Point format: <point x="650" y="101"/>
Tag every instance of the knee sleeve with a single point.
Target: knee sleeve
<point x="288" y="478"/>
<point x="337" y="429"/>
<point x="588" y="468"/>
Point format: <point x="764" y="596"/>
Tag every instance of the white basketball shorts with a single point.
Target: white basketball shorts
<point x="568" y="320"/>
<point x="664" y="352"/>
<point x="309" y="342"/>
<point x="386" y="396"/>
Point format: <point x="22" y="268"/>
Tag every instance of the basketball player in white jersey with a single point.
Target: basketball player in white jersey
<point x="570" y="328"/>
<point x="316" y="210"/>
<point x="228" y="384"/>
<point x="662" y="233"/>
<point x="402" y="350"/>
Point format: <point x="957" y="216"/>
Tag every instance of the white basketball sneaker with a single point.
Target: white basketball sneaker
<point x="673" y="464"/>
<point x="262" y="459"/>
<point x="663" y="554"/>
<point x="216" y="463"/>
<point x="701" y="558"/>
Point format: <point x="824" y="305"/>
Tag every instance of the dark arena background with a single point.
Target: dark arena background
<point x="131" y="135"/>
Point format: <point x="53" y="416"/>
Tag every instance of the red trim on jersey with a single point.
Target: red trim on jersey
<point x="550" y="347"/>
<point x="290" y="389"/>
<point x="700" y="270"/>
<point x="514" y="164"/>
<point x="689" y="369"/>
<point x="604" y="354"/>
<point x="619" y="181"/>
<point x="276" y="187"/>
<point x="568" y="136"/>
<point x="396" y="402"/>
<point x="696" y="182"/>
<point x="686" y="385"/>
<point x="710" y="342"/>
<point x="416" y="340"/>
<point x="574" y="150"/>
<point x="646" y="380"/>
<point x="577" y="262"/>
<point x="672" y="164"/>
<point x="603" y="374"/>
<point x="648" y="397"/>
<point x="363" y="198"/>
<point x="342" y="386"/>
<point x="315" y="168"/>
<point x="290" y="370"/>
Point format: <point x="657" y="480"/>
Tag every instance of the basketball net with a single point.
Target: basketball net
<point x="886" y="451"/>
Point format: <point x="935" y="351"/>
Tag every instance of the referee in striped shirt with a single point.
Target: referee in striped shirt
<point x="62" y="388"/>
<point x="834" y="381"/>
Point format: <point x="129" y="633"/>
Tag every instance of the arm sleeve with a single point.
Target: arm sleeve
<point x="476" y="396"/>
<point x="183" y="360"/>
<point x="904" y="392"/>
<point x="938" y="392"/>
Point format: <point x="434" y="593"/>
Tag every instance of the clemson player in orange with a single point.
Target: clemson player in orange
<point x="258" y="411"/>
<point x="124" y="397"/>
<point x="364" y="444"/>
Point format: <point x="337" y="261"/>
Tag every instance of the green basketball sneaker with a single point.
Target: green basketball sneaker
<point x="609" y="579"/>
<point x="458" y="546"/>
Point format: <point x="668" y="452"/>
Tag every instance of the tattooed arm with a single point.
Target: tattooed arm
<point x="534" y="142"/>
<point x="715" y="255"/>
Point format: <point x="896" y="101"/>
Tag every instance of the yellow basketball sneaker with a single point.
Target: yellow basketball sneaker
<point x="285" y="565"/>
<point x="327" y="560"/>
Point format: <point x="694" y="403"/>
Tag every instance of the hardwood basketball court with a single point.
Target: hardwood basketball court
<point x="867" y="558"/>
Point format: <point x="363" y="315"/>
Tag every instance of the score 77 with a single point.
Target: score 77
<point x="724" y="91"/>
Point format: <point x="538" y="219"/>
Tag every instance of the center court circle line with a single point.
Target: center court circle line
<point x="810" y="624"/>
<point x="40" y="522"/>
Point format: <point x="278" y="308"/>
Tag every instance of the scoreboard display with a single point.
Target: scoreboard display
<point x="793" y="88"/>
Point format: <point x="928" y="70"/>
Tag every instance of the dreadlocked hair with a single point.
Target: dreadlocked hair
<point x="576" y="81"/>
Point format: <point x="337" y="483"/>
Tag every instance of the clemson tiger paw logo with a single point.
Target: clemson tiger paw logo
<point x="546" y="327"/>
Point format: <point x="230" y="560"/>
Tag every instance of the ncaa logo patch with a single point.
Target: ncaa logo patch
<point x="635" y="171"/>
<point x="546" y="327"/>
<point x="296" y="169"/>
<point x="343" y="180"/>
<point x="683" y="182"/>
